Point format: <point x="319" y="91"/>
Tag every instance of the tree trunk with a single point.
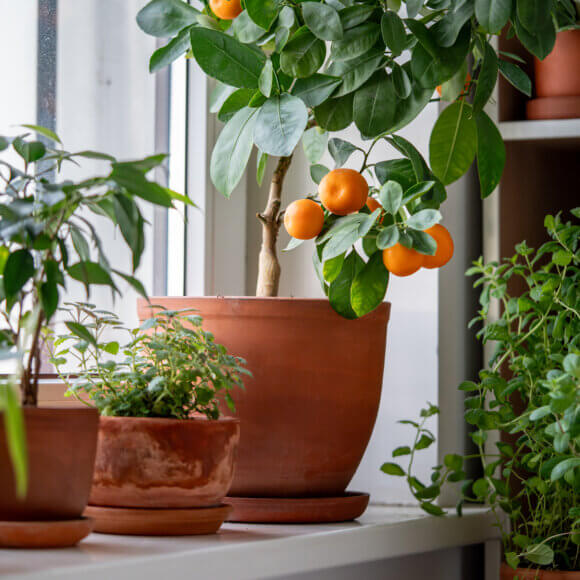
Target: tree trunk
<point x="271" y="218"/>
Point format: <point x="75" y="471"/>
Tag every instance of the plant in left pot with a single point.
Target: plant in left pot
<point x="47" y="241"/>
<point x="165" y="457"/>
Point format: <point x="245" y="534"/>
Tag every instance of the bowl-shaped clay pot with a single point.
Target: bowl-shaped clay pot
<point x="308" y="411"/>
<point x="61" y="446"/>
<point x="164" y="463"/>
<point x="507" y="573"/>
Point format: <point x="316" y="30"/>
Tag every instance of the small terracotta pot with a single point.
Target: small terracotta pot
<point x="558" y="75"/>
<point x="557" y="80"/>
<point x="164" y="463"/>
<point x="508" y="573"/>
<point x="308" y="412"/>
<point x="61" y="453"/>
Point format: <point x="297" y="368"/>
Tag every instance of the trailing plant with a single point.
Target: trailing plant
<point x="531" y="394"/>
<point x="47" y="240"/>
<point x="169" y="367"/>
<point x="289" y="70"/>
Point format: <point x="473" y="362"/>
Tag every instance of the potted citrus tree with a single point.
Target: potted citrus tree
<point x="531" y="394"/>
<point x="165" y="457"/>
<point x="287" y="72"/>
<point x="556" y="82"/>
<point x="47" y="241"/>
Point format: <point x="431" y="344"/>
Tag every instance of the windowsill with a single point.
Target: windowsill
<point x="253" y="552"/>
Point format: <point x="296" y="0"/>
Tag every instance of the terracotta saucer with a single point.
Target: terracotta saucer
<point x="307" y="510"/>
<point x="553" y="108"/>
<point x="158" y="522"/>
<point x="35" y="535"/>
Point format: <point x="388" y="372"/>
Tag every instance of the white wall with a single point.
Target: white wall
<point x="411" y="360"/>
<point x="106" y="102"/>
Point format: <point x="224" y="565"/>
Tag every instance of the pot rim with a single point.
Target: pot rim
<point x="248" y="298"/>
<point x="161" y="420"/>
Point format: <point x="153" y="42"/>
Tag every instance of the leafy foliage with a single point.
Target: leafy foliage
<point x="531" y="393"/>
<point x="170" y="367"/>
<point x="47" y="240"/>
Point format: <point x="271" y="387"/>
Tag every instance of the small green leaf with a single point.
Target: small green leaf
<point x="424" y="219"/>
<point x="390" y="196"/>
<point x="18" y="269"/>
<point x="369" y="286"/>
<point x="405" y="450"/>
<point x="491" y="154"/>
<point x="355" y="41"/>
<point x="323" y="20"/>
<point x="82" y="332"/>
<point x="340" y="150"/>
<point x="266" y="79"/>
<point x="493" y="14"/>
<point x="393" y="31"/>
<point x="30" y="151"/>
<point x="392" y="469"/>
<point x="303" y="55"/>
<point x="45" y="132"/>
<point x="314" y="144"/>
<point x="317" y="172"/>
<point x="315" y="89"/>
<point x="335" y="114"/>
<point x="563" y="467"/>
<point x="165" y="18"/>
<point x="487" y="78"/>
<point x="516" y="77"/>
<point x="388" y="237"/>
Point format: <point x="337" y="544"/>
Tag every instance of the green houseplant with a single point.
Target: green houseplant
<point x="531" y="394"/>
<point x="47" y="240"/>
<point x="291" y="71"/>
<point x="158" y="394"/>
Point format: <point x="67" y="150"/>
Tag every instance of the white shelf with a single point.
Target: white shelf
<point x="254" y="552"/>
<point x="557" y="129"/>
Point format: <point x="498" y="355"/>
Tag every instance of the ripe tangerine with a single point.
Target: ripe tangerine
<point x="343" y="191"/>
<point x="402" y="261"/>
<point x="445" y="247"/>
<point x="226" y="9"/>
<point x="304" y="219"/>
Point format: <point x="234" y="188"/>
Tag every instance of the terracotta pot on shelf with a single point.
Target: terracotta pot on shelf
<point x="508" y="573"/>
<point x="162" y="476"/>
<point x="557" y="80"/>
<point x="308" y="411"/>
<point x="61" y="445"/>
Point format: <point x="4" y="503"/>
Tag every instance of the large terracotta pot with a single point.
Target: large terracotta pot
<point x="308" y="412"/>
<point x="164" y="463"/>
<point x="507" y="573"/>
<point x="61" y="453"/>
<point x="557" y="80"/>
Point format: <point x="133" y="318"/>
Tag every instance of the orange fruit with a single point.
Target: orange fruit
<point x="343" y="191"/>
<point x="373" y="204"/>
<point x="303" y="219"/>
<point x="402" y="261"/>
<point x="465" y="86"/>
<point x="226" y="9"/>
<point x="444" y="251"/>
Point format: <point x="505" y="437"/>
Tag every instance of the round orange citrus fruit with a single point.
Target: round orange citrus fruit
<point x="343" y="191"/>
<point x="226" y="9"/>
<point x="402" y="261"/>
<point x="304" y="219"/>
<point x="445" y="247"/>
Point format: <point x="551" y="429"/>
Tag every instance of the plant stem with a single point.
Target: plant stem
<point x="271" y="218"/>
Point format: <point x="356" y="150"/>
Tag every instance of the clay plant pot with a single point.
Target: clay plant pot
<point x="164" y="463"/>
<point x="557" y="80"/>
<point x="507" y="573"/>
<point x="61" y="453"/>
<point x="308" y="412"/>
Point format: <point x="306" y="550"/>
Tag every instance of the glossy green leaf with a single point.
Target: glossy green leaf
<point x="388" y="237"/>
<point x="165" y="18"/>
<point x="315" y="89"/>
<point x="339" y="290"/>
<point x="246" y="30"/>
<point x="340" y="150"/>
<point x="266" y="79"/>
<point x="175" y="48"/>
<point x="30" y="151"/>
<point x="263" y="12"/>
<point x="90" y="273"/>
<point x="226" y="59"/>
<point x="134" y="181"/>
<point x="18" y="269"/>
<point x="369" y="286"/>
<point x="323" y="20"/>
<point x="493" y="14"/>
<point x="314" y="144"/>
<point x="303" y="55"/>
<point x="393" y="31"/>
<point x="237" y="100"/>
<point x="335" y="114"/>
<point x="317" y="172"/>
<point x="424" y="219"/>
<point x="392" y="469"/>
<point x="232" y="151"/>
<point x="45" y="132"/>
<point x="355" y="14"/>
<point x="354" y="73"/>
<point x="390" y="196"/>
<point x="516" y="77"/>
<point x="487" y="78"/>
<point x="491" y="154"/>
<point x="15" y="430"/>
<point x="280" y="124"/>
<point x="355" y="42"/>
<point x="401" y="82"/>
<point x="541" y="41"/>
<point x="453" y="142"/>
<point x="375" y="105"/>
